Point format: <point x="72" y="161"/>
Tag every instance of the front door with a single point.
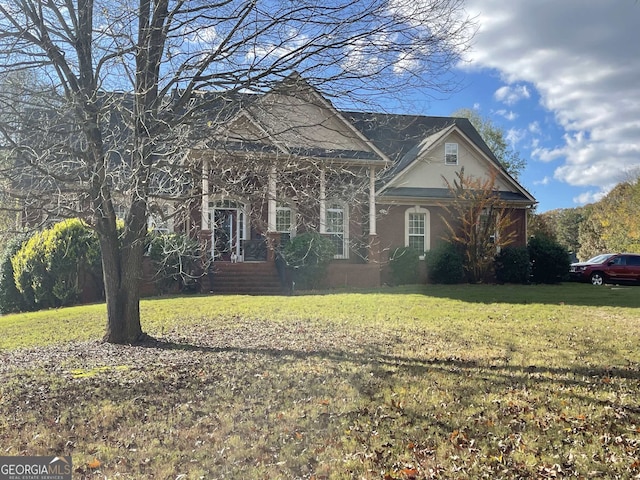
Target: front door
<point x="225" y="236"/>
<point x="228" y="228"/>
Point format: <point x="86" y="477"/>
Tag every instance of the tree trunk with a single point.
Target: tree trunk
<point x="122" y="268"/>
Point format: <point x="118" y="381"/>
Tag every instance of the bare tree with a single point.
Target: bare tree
<point x="79" y="148"/>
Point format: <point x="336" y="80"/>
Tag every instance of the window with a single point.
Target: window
<point x="417" y="229"/>
<point x="633" y="260"/>
<point x="622" y="260"/>
<point x="284" y="218"/>
<point x="451" y="153"/>
<point x="337" y="229"/>
<point x="160" y="219"/>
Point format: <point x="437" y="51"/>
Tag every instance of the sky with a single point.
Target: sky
<point x="562" y="79"/>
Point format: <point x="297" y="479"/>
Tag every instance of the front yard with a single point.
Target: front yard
<point x="423" y="382"/>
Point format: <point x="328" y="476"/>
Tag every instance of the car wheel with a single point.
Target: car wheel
<point x="597" y="278"/>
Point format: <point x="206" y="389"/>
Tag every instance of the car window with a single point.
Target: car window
<point x="633" y="260"/>
<point x="600" y="258"/>
<point x="621" y="260"/>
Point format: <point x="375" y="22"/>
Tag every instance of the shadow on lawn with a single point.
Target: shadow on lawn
<point x="497" y="372"/>
<point x="569" y="293"/>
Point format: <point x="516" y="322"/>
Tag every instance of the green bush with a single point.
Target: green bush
<point x="177" y="261"/>
<point x="308" y="256"/>
<point x="50" y="267"/>
<point x="11" y="300"/>
<point x="444" y="264"/>
<point x="512" y="265"/>
<point x="72" y="253"/>
<point x="549" y="260"/>
<point x="404" y="263"/>
<point x="30" y="273"/>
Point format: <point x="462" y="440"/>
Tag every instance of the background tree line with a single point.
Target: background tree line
<point x="609" y="225"/>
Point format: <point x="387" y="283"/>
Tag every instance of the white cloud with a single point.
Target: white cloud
<point x="582" y="59"/>
<point x="544" y="181"/>
<point x="364" y="55"/>
<point x="512" y="94"/>
<point x="202" y="36"/>
<point x="406" y="62"/>
<point x="534" y="127"/>
<point x="293" y="40"/>
<point x="589" y="197"/>
<point x="515" y="135"/>
<point x="508" y="114"/>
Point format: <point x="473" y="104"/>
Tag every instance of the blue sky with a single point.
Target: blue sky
<point x="562" y="78"/>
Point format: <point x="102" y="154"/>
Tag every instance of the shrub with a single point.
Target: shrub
<point x="177" y="259"/>
<point x="49" y="268"/>
<point x="31" y="276"/>
<point x="512" y="265"/>
<point x="549" y="260"/>
<point x="72" y="252"/>
<point x="11" y="300"/>
<point x="404" y="262"/>
<point x="444" y="264"/>
<point x="308" y="255"/>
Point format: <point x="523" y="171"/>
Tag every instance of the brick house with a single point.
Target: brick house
<point x="368" y="181"/>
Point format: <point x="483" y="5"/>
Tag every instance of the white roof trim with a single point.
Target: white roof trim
<point x="426" y="145"/>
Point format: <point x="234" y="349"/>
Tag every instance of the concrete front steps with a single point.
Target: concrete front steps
<point x="243" y="278"/>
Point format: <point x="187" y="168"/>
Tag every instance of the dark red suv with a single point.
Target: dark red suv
<point x="608" y="268"/>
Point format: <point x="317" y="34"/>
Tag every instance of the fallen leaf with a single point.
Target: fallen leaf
<point x="409" y="472"/>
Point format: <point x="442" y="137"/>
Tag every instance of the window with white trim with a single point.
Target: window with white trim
<point x="488" y="225"/>
<point x="417" y="223"/>
<point x="451" y="153"/>
<point x="284" y="218"/>
<point x="337" y="228"/>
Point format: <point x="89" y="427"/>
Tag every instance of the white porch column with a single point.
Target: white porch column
<point x="323" y="201"/>
<point x="204" y="209"/>
<point x="272" y="200"/>
<point x="372" y="201"/>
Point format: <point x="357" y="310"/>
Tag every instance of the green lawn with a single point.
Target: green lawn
<point x="423" y="382"/>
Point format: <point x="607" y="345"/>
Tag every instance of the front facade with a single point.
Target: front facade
<point x="289" y="162"/>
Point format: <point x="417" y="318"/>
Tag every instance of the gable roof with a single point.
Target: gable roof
<point x="405" y="138"/>
<point x="295" y="119"/>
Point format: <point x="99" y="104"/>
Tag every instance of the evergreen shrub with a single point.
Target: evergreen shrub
<point x="49" y="268"/>
<point x="177" y="261"/>
<point x="404" y="263"/>
<point x="308" y="256"/>
<point x="512" y="265"/>
<point x="549" y="260"/>
<point x="11" y="300"/>
<point x="444" y="264"/>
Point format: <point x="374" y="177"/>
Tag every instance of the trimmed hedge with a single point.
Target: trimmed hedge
<point x="49" y="267"/>
<point x="404" y="262"/>
<point x="512" y="265"/>
<point x="11" y="300"/>
<point x="308" y="256"/>
<point x="444" y="264"/>
<point x="549" y="260"/>
<point x="177" y="260"/>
